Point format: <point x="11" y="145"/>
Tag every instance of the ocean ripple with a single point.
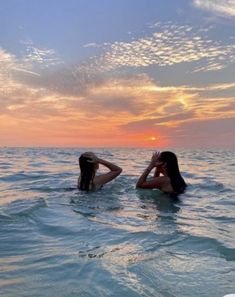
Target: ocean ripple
<point x="119" y="241"/>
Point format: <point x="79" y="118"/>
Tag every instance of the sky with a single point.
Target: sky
<point x="120" y="73"/>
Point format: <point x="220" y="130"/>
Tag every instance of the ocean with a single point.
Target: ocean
<point x="119" y="241"/>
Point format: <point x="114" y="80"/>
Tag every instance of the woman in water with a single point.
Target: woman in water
<point x="167" y="176"/>
<point x="89" y="164"/>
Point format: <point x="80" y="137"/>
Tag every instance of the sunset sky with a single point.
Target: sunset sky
<point x="117" y="73"/>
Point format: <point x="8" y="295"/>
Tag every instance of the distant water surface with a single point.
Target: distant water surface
<point x="119" y="241"/>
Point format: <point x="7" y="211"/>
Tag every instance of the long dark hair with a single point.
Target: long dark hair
<point x="87" y="173"/>
<point x="172" y="167"/>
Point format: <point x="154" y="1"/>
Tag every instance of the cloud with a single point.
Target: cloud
<point x="92" y="45"/>
<point x="128" y="97"/>
<point x="18" y="97"/>
<point x="168" y="45"/>
<point x="224" y="8"/>
<point x="214" y="132"/>
<point x="8" y="62"/>
<point x="40" y="57"/>
<point x="33" y="61"/>
<point x="132" y="104"/>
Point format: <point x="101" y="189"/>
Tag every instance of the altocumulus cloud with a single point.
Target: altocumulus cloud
<point x="133" y="97"/>
<point x="224" y="8"/>
<point x="92" y="95"/>
<point x="168" y="45"/>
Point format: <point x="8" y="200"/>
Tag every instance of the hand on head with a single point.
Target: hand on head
<point x="93" y="158"/>
<point x="155" y="159"/>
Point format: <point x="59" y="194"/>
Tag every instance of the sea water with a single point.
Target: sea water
<point x="119" y="241"/>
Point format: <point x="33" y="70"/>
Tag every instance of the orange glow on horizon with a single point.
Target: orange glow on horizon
<point x="130" y="112"/>
<point x="49" y="133"/>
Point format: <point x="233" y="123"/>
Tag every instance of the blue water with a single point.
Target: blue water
<point x="119" y="241"/>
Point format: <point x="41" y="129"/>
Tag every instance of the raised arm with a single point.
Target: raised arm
<point x="157" y="172"/>
<point x="160" y="169"/>
<point x="141" y="183"/>
<point x="106" y="177"/>
<point x="156" y="181"/>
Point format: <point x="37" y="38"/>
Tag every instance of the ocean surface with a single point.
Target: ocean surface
<point x="119" y="241"/>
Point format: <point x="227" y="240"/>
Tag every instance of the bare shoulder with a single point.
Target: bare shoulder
<point x="158" y="182"/>
<point x="163" y="179"/>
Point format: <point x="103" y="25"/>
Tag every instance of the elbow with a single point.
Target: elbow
<point x="119" y="170"/>
<point x="138" y="185"/>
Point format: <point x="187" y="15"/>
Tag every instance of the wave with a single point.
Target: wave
<point x="49" y="189"/>
<point x="207" y="245"/>
<point x="23" y="176"/>
<point x="134" y="235"/>
<point x="208" y="184"/>
<point x="21" y="208"/>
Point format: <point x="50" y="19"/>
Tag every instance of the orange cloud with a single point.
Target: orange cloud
<point x="117" y="110"/>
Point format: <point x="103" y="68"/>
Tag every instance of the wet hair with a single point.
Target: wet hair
<point x="87" y="173"/>
<point x="172" y="167"/>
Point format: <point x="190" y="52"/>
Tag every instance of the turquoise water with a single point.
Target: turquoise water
<point x="55" y="241"/>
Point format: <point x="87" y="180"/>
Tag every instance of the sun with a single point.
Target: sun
<point x="153" y="138"/>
